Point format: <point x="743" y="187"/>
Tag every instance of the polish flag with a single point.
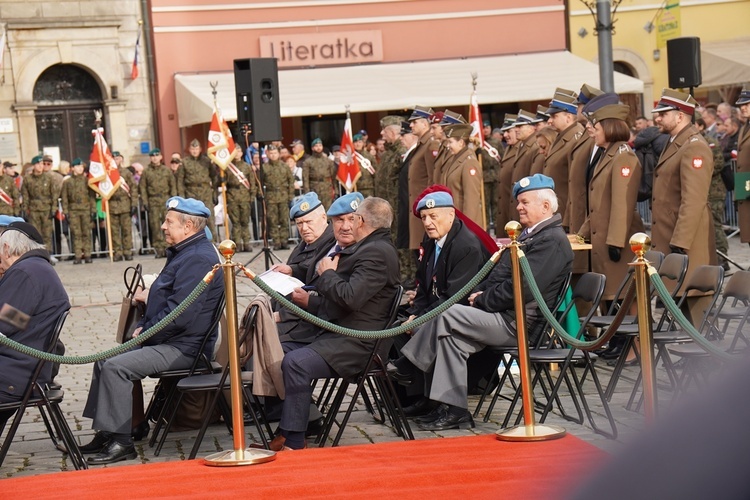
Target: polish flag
<point x="348" y="172"/>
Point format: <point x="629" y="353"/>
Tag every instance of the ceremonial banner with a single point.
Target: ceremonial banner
<point x="475" y="119"/>
<point x="134" y="69"/>
<point x="348" y="173"/>
<point x="220" y="141"/>
<point x="104" y="178"/>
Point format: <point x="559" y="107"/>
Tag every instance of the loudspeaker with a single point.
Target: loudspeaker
<point x="684" y="62"/>
<point x="256" y="82"/>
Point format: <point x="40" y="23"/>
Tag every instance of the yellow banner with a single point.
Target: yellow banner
<point x="668" y="23"/>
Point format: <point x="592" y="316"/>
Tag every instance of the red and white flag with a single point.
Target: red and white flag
<point x="348" y="173"/>
<point x="475" y="119"/>
<point x="220" y="141"/>
<point x="134" y="69"/>
<point x="104" y="178"/>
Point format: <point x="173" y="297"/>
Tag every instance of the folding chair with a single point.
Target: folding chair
<point x="48" y="401"/>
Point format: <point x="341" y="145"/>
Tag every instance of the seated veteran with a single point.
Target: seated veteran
<point x="30" y="285"/>
<point x="190" y="256"/>
<point x="440" y="347"/>
<point x="356" y="287"/>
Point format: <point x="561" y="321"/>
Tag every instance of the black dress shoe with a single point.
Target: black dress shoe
<point x="128" y="257"/>
<point x="434" y="415"/>
<point x="140" y="431"/>
<point x="613" y="354"/>
<point x="421" y="408"/>
<point x="402" y="378"/>
<point x="314" y="427"/>
<point x="450" y="421"/>
<point x="100" y="441"/>
<point x="114" y="452"/>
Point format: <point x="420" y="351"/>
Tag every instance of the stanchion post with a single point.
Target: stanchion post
<point x="640" y="243"/>
<point x="240" y="455"/>
<point x="529" y="431"/>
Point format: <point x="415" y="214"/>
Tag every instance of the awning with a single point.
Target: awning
<point x="725" y="63"/>
<point x="379" y="87"/>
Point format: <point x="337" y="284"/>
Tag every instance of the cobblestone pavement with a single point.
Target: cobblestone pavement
<point x="96" y="292"/>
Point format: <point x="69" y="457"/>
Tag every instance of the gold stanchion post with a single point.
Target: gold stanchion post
<point x="529" y="431"/>
<point x="640" y="243"/>
<point x="240" y="455"/>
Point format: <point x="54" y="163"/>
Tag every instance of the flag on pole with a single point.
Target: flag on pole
<point x="475" y="119"/>
<point x="220" y="141"/>
<point x="104" y="178"/>
<point x="134" y="69"/>
<point x="348" y="172"/>
<point x="2" y="54"/>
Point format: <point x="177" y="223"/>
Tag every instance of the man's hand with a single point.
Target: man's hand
<point x="300" y="297"/>
<point x="614" y="253"/>
<point x="675" y="249"/>
<point x="137" y="331"/>
<point x="473" y="297"/>
<point x="410" y="296"/>
<point x="326" y="264"/>
<point x="277" y="316"/>
<point x="282" y="268"/>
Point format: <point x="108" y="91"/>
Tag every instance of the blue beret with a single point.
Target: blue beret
<point x="6" y="220"/>
<point x="304" y="204"/>
<point x="316" y="141"/>
<point x="36" y="159"/>
<point x="532" y="183"/>
<point x="346" y="204"/>
<point x="437" y="199"/>
<point x="188" y="206"/>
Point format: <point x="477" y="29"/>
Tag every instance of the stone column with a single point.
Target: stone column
<point x="28" y="141"/>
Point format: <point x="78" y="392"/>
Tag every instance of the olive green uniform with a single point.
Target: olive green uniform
<point x="201" y="183"/>
<point x="79" y="206"/>
<point x="239" y="198"/>
<point x="279" y="190"/>
<point x="318" y="173"/>
<point x="366" y="182"/>
<point x="122" y="204"/>
<point x="40" y="203"/>
<point x="157" y="185"/>
<point x="386" y="179"/>
<point x="717" y="197"/>
<point x="179" y="180"/>
<point x="10" y="189"/>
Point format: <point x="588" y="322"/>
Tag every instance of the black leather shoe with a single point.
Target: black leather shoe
<point x="100" y="441"/>
<point x="421" y="408"/>
<point x="128" y="257"/>
<point x="613" y="354"/>
<point x="434" y="415"/>
<point x="399" y="376"/>
<point x="114" y="452"/>
<point x="314" y="426"/>
<point x="140" y="431"/>
<point x="450" y="421"/>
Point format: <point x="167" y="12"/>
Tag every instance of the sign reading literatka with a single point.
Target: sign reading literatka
<point x="324" y="49"/>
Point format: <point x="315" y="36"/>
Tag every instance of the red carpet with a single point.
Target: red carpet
<point x="467" y="467"/>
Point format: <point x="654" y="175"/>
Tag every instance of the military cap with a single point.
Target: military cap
<point x="405" y="128"/>
<point x="421" y="112"/>
<point x="316" y="141"/>
<point x="304" y="204"/>
<point x="497" y="130"/>
<point x="335" y="148"/>
<point x="458" y="130"/>
<point x="744" y="97"/>
<point x="486" y="123"/>
<point x="451" y="118"/>
<point x="115" y="154"/>
<point x="437" y="199"/>
<point x="189" y="206"/>
<point x="673" y="99"/>
<point x="27" y="229"/>
<point x="613" y="111"/>
<point x="6" y="220"/>
<point x="524" y="118"/>
<point x="175" y="160"/>
<point x="195" y="143"/>
<point x="532" y="183"/>
<point x="296" y="142"/>
<point x="8" y="164"/>
<point x="272" y="147"/>
<point x="563" y="100"/>
<point x="36" y="159"/>
<point x="436" y="117"/>
<point x="603" y="100"/>
<point x="587" y="93"/>
<point x="346" y="204"/>
<point x="154" y="152"/>
<point x="508" y="122"/>
<point x="76" y="161"/>
<point x="541" y="113"/>
<point x="46" y="158"/>
<point x="363" y="132"/>
<point x="389" y="120"/>
<point x="357" y="137"/>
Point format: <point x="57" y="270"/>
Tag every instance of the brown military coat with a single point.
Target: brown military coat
<point x="681" y="215"/>
<point x="521" y="169"/>
<point x="421" y="170"/>
<point x="743" y="165"/>
<point x="580" y="155"/>
<point x="463" y="176"/>
<point x="557" y="164"/>
<point x="537" y="159"/>
<point x="442" y="158"/>
<point x="613" y="216"/>
<point x="504" y="194"/>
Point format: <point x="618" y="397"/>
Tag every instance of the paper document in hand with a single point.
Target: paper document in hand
<point x="280" y="282"/>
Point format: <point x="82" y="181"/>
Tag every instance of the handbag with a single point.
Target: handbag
<point x="131" y="312"/>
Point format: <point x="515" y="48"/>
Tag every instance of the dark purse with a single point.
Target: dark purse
<point x="131" y="312"/>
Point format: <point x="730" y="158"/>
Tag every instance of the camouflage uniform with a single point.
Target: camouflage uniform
<point x="200" y="183"/>
<point x="8" y="185"/>
<point x="238" y="204"/>
<point x="122" y="204"/>
<point x="79" y="206"/>
<point x="157" y="185"/>
<point x="717" y="197"/>
<point x="279" y="190"/>
<point x="386" y="179"/>
<point x="318" y="173"/>
<point x="179" y="180"/>
<point x="40" y="203"/>
<point x="366" y="182"/>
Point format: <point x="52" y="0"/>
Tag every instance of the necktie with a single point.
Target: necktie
<point x="336" y="250"/>
<point x="437" y="253"/>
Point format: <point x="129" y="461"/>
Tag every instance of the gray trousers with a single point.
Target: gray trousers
<point x="441" y="347"/>
<point x="110" y="401"/>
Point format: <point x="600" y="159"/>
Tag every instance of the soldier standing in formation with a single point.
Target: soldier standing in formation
<point x="122" y="205"/>
<point x="40" y="200"/>
<point x="201" y="181"/>
<point x="239" y="197"/>
<point x="525" y="141"/>
<point x="157" y="185"/>
<point x="318" y="173"/>
<point x="463" y="174"/>
<point x="9" y="195"/>
<point x="278" y="191"/>
<point x="505" y="173"/>
<point x="743" y="161"/>
<point x="79" y="206"/>
<point x="386" y="177"/>
<point x="366" y="182"/>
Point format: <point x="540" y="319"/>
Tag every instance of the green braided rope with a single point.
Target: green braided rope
<point x="559" y="330"/>
<point x="670" y="304"/>
<point x="92" y="358"/>
<point x="377" y="334"/>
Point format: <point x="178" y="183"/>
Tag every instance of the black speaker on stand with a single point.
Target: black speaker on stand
<point x="256" y="82"/>
<point x="684" y="62"/>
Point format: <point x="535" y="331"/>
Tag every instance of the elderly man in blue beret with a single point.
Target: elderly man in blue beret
<point x="440" y="347"/>
<point x="190" y="256"/>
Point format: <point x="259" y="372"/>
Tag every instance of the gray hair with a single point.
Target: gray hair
<point x="199" y="222"/>
<point x="18" y="243"/>
<point x="376" y="212"/>
<point x="548" y="195"/>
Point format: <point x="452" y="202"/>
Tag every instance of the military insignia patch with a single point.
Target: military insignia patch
<point x="697" y="162"/>
<point x="173" y="203"/>
<point x="430" y="203"/>
<point x="354" y="204"/>
<point x="305" y="206"/>
<point x="625" y="171"/>
<point x="473" y="171"/>
<point x="524" y="182"/>
<point x="434" y="154"/>
<point x="623" y="148"/>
